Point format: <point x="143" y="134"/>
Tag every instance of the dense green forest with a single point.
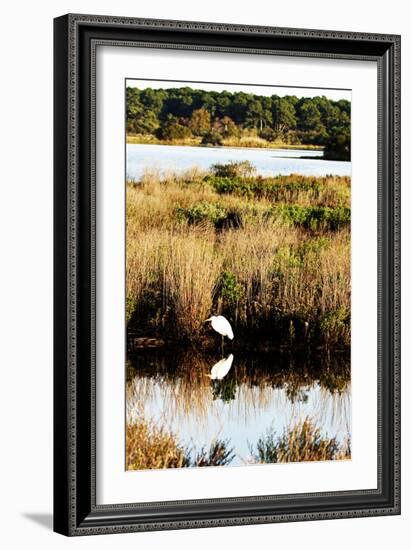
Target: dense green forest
<point x="226" y="118"/>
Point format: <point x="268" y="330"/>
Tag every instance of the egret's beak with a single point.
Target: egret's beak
<point x="207" y="320"/>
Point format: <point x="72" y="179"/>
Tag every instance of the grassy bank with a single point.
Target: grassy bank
<point x="245" y="141"/>
<point x="271" y="254"/>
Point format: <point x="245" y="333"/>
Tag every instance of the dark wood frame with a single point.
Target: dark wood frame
<point x="75" y="40"/>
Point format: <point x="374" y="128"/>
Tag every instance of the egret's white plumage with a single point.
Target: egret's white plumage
<point x="221" y="325"/>
<point x="221" y="368"/>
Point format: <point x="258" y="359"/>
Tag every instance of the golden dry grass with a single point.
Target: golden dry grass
<point x="302" y="442"/>
<point x="152" y="447"/>
<point x="245" y="141"/>
<point x="262" y="273"/>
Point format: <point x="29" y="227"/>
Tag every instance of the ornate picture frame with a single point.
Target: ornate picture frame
<point x="76" y="38"/>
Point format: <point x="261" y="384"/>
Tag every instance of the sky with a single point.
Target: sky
<point x="281" y="91"/>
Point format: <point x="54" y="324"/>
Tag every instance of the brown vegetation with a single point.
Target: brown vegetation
<point x="302" y="442"/>
<point x="271" y="254"/>
<point x="151" y="447"/>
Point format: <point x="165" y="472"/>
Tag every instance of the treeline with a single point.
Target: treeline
<point x="212" y="117"/>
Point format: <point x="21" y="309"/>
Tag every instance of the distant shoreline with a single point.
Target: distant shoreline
<point x="196" y="142"/>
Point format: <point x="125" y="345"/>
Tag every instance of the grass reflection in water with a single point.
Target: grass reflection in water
<point x="267" y="408"/>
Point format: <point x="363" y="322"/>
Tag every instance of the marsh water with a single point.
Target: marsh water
<point x="268" y="162"/>
<point x="259" y="393"/>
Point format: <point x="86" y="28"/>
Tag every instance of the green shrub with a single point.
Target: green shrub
<point x="313" y="246"/>
<point x="242" y="169"/>
<point x="202" y="211"/>
<point x="287" y="189"/>
<point x="338" y="145"/>
<point x="212" y="138"/>
<point x="314" y="217"/>
<point x="219" y="216"/>
<point x="173" y="130"/>
<point x="230" y="290"/>
<point x="131" y="304"/>
<point x="225" y="185"/>
<point x="267" y="133"/>
<point x="335" y="325"/>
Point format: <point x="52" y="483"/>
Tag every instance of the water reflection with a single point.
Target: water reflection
<point x="201" y="398"/>
<point x="221" y="368"/>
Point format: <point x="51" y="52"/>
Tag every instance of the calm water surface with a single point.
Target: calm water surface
<point x="269" y="162"/>
<point x="270" y="392"/>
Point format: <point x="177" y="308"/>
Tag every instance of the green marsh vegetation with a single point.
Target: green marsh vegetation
<point x="272" y="254"/>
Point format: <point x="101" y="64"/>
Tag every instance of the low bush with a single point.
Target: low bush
<point x="300" y="443"/>
<point x="314" y="218"/>
<point x="268" y="133"/>
<point x="203" y="211"/>
<point x="212" y="138"/>
<point x="173" y="130"/>
<point x="241" y="169"/>
<point x="285" y="189"/>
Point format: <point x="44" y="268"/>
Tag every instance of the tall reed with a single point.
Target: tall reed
<point x="193" y="251"/>
<point x="152" y="447"/>
<point x="302" y="442"/>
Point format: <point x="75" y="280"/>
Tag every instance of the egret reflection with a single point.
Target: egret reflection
<point x="221" y="368"/>
<point x="239" y="399"/>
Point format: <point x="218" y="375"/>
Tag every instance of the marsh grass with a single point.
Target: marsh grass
<point x="152" y="447"/>
<point x="274" y="259"/>
<point x="151" y="139"/>
<point x="331" y="191"/>
<point x="191" y="269"/>
<point x="244" y="141"/>
<point x="302" y="442"/>
<point x="149" y="446"/>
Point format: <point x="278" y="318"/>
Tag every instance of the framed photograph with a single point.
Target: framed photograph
<point x="227" y="277"/>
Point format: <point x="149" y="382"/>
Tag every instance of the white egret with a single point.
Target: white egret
<point x="221" y="368"/>
<point x="222" y="326"/>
